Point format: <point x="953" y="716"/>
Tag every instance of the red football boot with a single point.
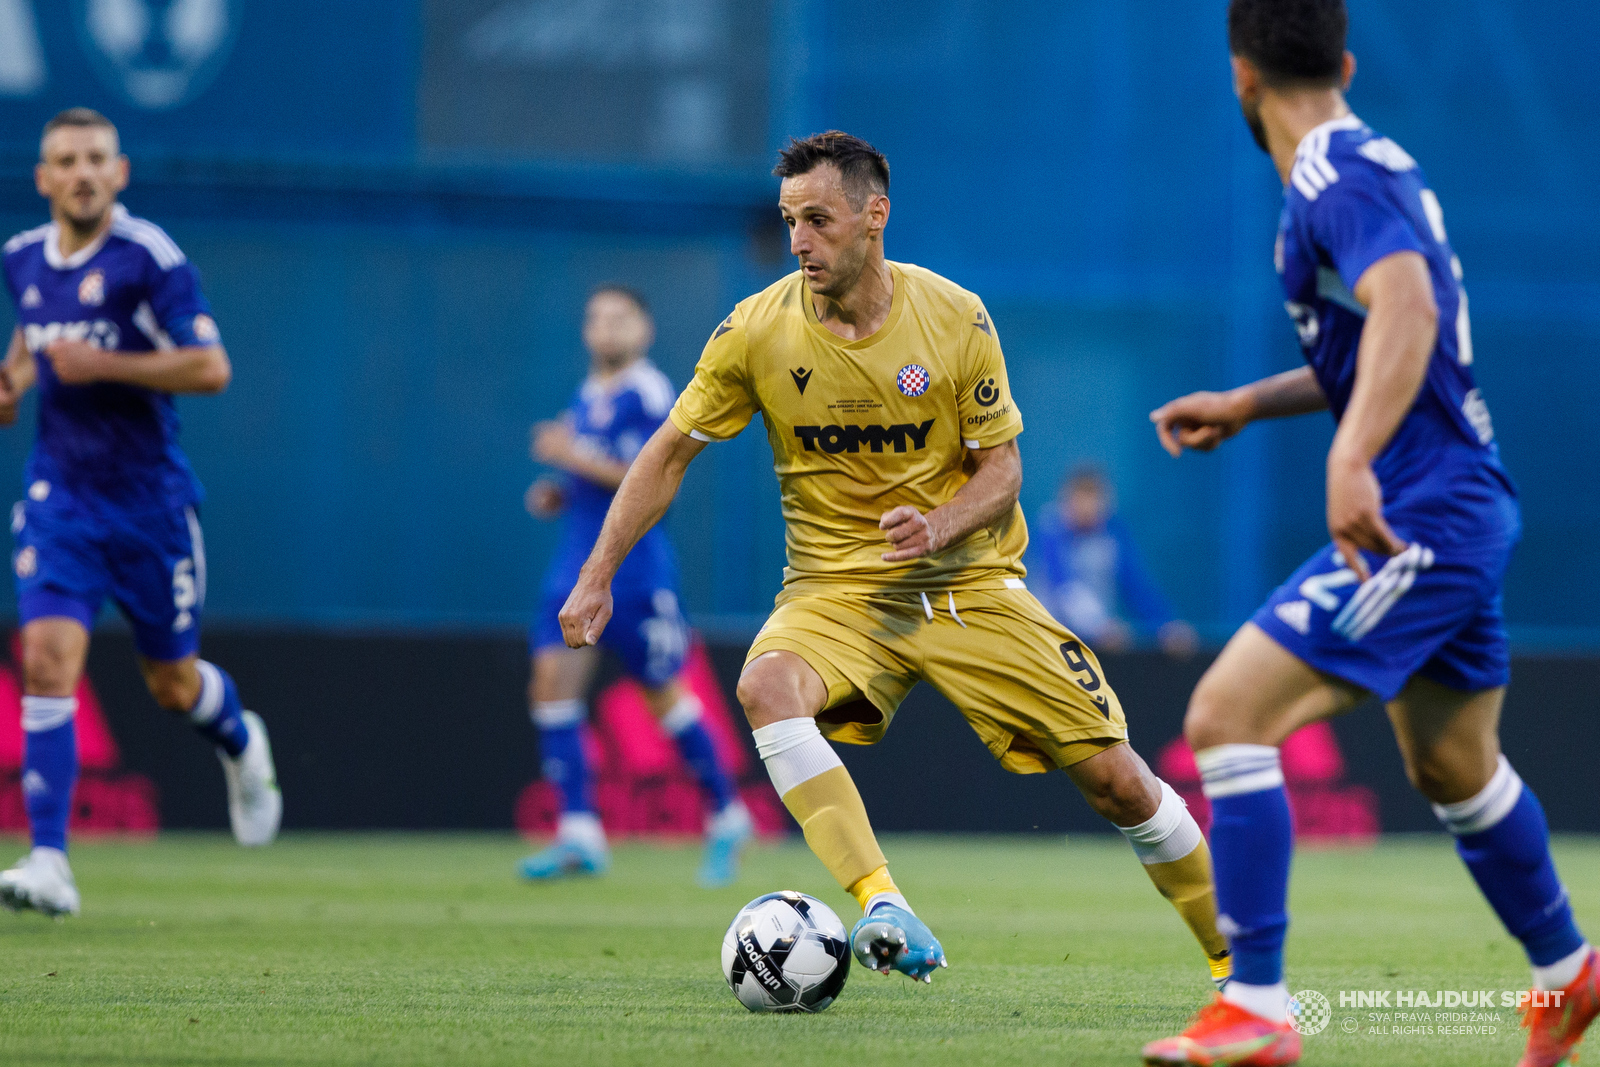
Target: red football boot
<point x="1223" y="1033"/>
<point x="1554" y="1032"/>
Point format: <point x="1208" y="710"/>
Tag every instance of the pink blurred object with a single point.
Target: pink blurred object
<point x="107" y="800"/>
<point x="642" y="787"/>
<point x="1324" y="808"/>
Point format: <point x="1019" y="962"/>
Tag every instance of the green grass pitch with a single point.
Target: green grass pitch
<point x="417" y="949"/>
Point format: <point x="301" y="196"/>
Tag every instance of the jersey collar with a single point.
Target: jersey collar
<point x="896" y="304"/>
<point x="52" y="243"/>
<point x="1316" y="141"/>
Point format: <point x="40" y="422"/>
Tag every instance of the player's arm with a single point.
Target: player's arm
<point x="17" y="376"/>
<point x="1204" y="420"/>
<point x="989" y="494"/>
<point x="1397" y="343"/>
<point x="203" y="369"/>
<point x="646" y="491"/>
<point x="555" y="444"/>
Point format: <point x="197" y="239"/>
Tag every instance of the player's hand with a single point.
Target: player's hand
<point x="911" y="533"/>
<point x="1200" y="421"/>
<point x="553" y="443"/>
<point x="77" y="362"/>
<point x="1355" y="514"/>
<point x="544" y="499"/>
<point x="585" y="614"/>
<point x="10" y="397"/>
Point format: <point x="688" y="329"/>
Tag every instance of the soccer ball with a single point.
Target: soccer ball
<point x="786" y="951"/>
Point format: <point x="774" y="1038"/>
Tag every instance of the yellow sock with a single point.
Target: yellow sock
<point x="1187" y="884"/>
<point x="831" y="815"/>
<point x="873" y="884"/>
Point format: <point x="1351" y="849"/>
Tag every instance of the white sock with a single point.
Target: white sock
<point x="1560" y="974"/>
<point x="682" y="715"/>
<point x="1170" y="834"/>
<point x="730" y="820"/>
<point x="557" y="714"/>
<point x="885" y="898"/>
<point x="794" y="751"/>
<point x="1271" y="1002"/>
<point x="582" y="828"/>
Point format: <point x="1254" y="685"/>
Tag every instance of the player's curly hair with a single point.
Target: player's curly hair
<point x="863" y="169"/>
<point x="1292" y="42"/>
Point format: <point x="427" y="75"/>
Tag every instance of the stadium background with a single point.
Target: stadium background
<point x="397" y="208"/>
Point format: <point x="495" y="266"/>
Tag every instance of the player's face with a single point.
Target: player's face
<point x="81" y="170"/>
<point x="829" y="237"/>
<point x="615" y="330"/>
<point x="1086" y="505"/>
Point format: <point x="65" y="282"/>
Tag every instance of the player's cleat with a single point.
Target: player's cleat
<point x="255" y="805"/>
<point x="565" y="858"/>
<point x="725" y="840"/>
<point x="41" y="880"/>
<point x="1554" y="1032"/>
<point x="1223" y="1033"/>
<point x="890" y="938"/>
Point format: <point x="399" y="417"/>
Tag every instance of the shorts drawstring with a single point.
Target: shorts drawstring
<point x="927" y="608"/>
<point x="953" y="614"/>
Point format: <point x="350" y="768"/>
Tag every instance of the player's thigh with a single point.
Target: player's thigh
<point x="59" y="563"/>
<point x="1034" y="693"/>
<point x="561" y="673"/>
<point x="1257" y="692"/>
<point x="1449" y="738"/>
<point x="158" y="579"/>
<point x="845" y="658"/>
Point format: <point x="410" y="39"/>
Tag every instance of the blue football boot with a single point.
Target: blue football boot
<point x="726" y="836"/>
<point x="891" y="938"/>
<point x="565" y="858"/>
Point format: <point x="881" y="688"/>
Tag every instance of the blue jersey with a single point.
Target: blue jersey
<point x="105" y="445"/>
<point x="614" y="419"/>
<point x="1353" y="198"/>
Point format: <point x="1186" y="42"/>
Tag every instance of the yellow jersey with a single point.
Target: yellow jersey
<point x="860" y="427"/>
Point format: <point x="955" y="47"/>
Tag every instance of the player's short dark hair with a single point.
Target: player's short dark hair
<point x="1087" y="476"/>
<point x="628" y="292"/>
<point x="81" y="117"/>
<point x="1292" y="42"/>
<point x="863" y="169"/>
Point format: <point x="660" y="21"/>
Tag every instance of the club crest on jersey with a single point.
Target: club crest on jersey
<point x="92" y="289"/>
<point x="912" y="380"/>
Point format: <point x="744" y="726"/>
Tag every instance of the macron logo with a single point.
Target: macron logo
<point x="1296" y="614"/>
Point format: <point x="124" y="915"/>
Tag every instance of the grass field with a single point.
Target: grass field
<point x="383" y="949"/>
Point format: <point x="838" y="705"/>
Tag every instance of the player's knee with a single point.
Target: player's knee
<point x="1205" y="724"/>
<point x="1440" y="778"/>
<point x="1120" y="790"/>
<point x="764" y="697"/>
<point x="49" y="667"/>
<point x="173" y="687"/>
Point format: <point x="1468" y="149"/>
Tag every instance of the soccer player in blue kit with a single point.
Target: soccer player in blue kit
<point x="621" y="403"/>
<point x="111" y="323"/>
<point x="1405" y="603"/>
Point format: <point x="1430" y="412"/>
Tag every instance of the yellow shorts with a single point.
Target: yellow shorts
<point x="1033" y="692"/>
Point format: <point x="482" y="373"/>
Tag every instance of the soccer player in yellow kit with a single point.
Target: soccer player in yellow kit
<point x="892" y="426"/>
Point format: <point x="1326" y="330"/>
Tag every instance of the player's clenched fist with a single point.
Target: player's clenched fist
<point x="1200" y="421"/>
<point x="585" y="614"/>
<point x="909" y="532"/>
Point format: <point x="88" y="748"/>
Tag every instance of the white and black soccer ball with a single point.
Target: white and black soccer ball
<point x="786" y="951"/>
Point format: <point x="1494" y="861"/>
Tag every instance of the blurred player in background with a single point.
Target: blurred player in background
<point x="884" y="395"/>
<point x="1405" y="603"/>
<point x="1091" y="575"/>
<point x="620" y="404"/>
<point x="111" y="323"/>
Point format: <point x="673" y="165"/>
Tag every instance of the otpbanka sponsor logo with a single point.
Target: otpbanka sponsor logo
<point x="1442" y="1014"/>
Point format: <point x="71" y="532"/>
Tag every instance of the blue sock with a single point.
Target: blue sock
<point x="1252" y="841"/>
<point x="1504" y="840"/>
<point x="694" y="743"/>
<point x="217" y="713"/>
<point x="560" y="724"/>
<point x="49" y="767"/>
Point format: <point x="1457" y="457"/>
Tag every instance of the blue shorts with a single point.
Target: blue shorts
<point x="1433" y="611"/>
<point x="68" y="560"/>
<point x="646" y="630"/>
